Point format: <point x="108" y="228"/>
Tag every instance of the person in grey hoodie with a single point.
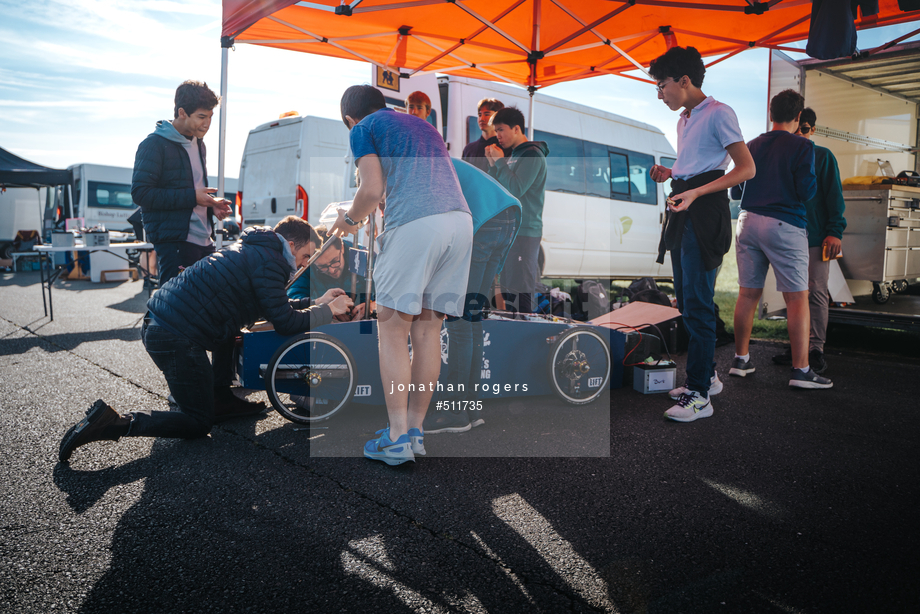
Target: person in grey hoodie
<point x="170" y="184"/>
<point x="523" y="174"/>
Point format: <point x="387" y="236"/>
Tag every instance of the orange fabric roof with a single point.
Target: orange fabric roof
<point x="494" y="39"/>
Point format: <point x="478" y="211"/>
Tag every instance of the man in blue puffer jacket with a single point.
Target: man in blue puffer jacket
<point x="203" y="310"/>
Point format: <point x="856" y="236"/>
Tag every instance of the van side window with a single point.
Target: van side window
<point x="565" y="166"/>
<point x="643" y="189"/>
<point x="597" y="170"/>
<point x="472" y="130"/>
<point x="619" y="175"/>
<point x="668" y="162"/>
<point x="112" y="195"/>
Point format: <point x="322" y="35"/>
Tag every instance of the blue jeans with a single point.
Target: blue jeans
<point x="695" y="288"/>
<point x="464" y="355"/>
<point x="187" y="370"/>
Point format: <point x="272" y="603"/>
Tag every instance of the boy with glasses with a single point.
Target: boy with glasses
<point x="330" y="271"/>
<point x="697" y="229"/>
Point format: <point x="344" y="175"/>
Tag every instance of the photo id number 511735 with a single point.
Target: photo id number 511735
<point x="459" y="405"/>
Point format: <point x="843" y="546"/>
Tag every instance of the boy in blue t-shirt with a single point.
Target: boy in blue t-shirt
<point x="697" y="230"/>
<point x="423" y="267"/>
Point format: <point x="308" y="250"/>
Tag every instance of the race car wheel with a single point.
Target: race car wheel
<point x="310" y="377"/>
<point x="579" y="365"/>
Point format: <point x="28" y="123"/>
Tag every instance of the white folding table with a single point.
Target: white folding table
<point x="50" y="272"/>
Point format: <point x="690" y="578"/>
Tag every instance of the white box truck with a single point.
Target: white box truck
<point x="293" y="166"/>
<point x="20" y="209"/>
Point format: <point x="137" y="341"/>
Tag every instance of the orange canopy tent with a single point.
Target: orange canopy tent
<point x="531" y="43"/>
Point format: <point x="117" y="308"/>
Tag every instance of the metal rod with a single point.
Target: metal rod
<point x="312" y="259"/>
<point x="371" y="238"/>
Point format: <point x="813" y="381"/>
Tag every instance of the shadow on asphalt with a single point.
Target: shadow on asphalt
<point x="217" y="530"/>
<point x="65" y="341"/>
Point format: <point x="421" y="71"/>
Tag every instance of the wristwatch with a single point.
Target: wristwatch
<point x="350" y="221"/>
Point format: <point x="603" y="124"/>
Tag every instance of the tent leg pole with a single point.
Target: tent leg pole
<point x="222" y="146"/>
<point x="530" y="116"/>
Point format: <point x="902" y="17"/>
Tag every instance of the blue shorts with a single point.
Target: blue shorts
<point x="761" y="241"/>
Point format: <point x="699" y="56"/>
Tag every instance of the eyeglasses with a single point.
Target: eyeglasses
<point x="660" y="87"/>
<point x="330" y="265"/>
<point x="803" y="128"/>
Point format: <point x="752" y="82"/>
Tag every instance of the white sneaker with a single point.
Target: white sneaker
<point x="689" y="407"/>
<point x="715" y="387"/>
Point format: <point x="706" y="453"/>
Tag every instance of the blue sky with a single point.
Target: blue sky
<point x="86" y="80"/>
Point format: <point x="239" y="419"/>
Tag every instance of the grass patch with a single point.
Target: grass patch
<point x="726" y="296"/>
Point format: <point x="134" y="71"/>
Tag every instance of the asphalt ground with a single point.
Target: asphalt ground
<point x="783" y="501"/>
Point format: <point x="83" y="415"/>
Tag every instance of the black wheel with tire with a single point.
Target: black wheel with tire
<point x="310" y="377"/>
<point x="579" y="365"/>
<point x="6" y="251"/>
<point x="899" y="286"/>
<point x="880" y="293"/>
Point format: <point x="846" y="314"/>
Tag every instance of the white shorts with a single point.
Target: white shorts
<point x="425" y="264"/>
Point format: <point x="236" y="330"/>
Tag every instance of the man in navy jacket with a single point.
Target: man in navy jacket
<point x="170" y="183"/>
<point x="201" y="311"/>
<point x="771" y="231"/>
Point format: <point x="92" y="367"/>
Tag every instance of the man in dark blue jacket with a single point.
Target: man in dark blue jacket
<point x="771" y="231"/>
<point x="203" y="310"/>
<point x="170" y="183"/>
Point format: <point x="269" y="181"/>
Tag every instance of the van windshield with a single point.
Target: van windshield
<point x="109" y="195"/>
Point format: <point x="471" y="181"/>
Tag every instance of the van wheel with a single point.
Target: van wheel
<point x="6" y="251"/>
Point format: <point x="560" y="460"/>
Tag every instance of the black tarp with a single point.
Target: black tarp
<point x="18" y="173"/>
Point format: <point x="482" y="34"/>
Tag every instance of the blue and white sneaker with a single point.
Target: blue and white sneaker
<point x="417" y="438"/>
<point x="391" y="452"/>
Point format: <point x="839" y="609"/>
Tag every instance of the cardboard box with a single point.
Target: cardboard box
<point x="62" y="239"/>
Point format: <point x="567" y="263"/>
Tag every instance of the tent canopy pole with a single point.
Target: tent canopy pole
<point x="222" y="143"/>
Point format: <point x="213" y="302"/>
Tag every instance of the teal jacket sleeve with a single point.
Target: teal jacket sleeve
<point x="300" y="289"/>
<point x="833" y="197"/>
<point x="519" y="176"/>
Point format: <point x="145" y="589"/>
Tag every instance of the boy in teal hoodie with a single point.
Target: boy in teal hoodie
<point x="524" y="175"/>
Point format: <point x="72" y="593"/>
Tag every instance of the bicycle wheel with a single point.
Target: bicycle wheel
<point x="579" y="366"/>
<point x="310" y="377"/>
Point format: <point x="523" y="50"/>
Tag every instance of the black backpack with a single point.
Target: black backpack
<point x="590" y="301"/>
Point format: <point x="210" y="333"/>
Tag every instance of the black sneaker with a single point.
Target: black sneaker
<point x="440" y="421"/>
<point x="741" y="367"/>
<point x="816" y="361"/>
<point x="228" y="406"/>
<point x="809" y="380"/>
<point x="101" y="423"/>
<point x="784" y="359"/>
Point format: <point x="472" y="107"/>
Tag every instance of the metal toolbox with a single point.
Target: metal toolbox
<point x="882" y="241"/>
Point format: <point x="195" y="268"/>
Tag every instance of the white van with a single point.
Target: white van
<point x="292" y="166"/>
<point x="602" y="215"/>
<point x="102" y="195"/>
